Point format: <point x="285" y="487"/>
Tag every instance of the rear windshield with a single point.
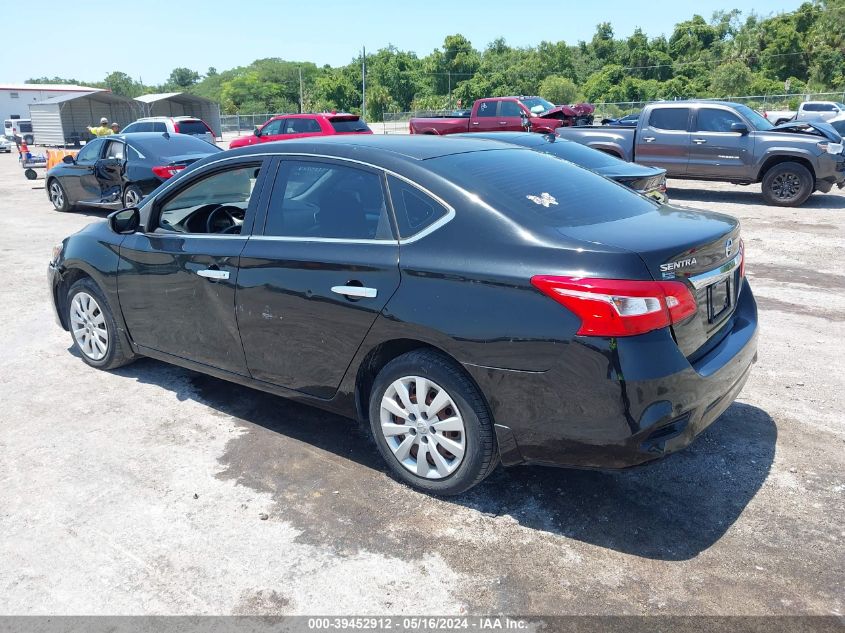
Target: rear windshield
<point x="192" y="127"/>
<point x="579" y="154"/>
<point x="537" y="189"/>
<point x="349" y="125"/>
<point x="160" y="147"/>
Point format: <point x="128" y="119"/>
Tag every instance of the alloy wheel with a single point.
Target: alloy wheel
<point x="786" y="186"/>
<point x="88" y="324"/>
<point x="423" y="427"/>
<point x="131" y="198"/>
<point x="57" y="196"/>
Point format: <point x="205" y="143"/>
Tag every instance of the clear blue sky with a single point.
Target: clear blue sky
<point x="148" y="39"/>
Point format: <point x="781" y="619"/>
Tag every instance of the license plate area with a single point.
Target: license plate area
<point x="718" y="300"/>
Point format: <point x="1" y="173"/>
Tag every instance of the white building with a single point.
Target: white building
<point x="16" y="98"/>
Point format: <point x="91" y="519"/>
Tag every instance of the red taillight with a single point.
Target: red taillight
<point x="167" y="171"/>
<point x="619" y="307"/>
<point x="175" y="128"/>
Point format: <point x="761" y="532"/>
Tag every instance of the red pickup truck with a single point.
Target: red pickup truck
<point x="513" y="114"/>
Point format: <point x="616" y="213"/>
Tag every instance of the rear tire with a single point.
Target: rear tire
<point x="93" y="328"/>
<point x="443" y="444"/>
<point x="58" y="196"/>
<point x="787" y="184"/>
<point x="132" y="196"/>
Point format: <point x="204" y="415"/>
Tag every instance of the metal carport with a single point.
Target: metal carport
<point x="64" y="120"/>
<point x="183" y="104"/>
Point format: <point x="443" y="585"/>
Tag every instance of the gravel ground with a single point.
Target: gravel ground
<point x="153" y="489"/>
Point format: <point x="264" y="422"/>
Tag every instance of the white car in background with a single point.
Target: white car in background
<point x="5" y="145"/>
<point x="819" y="110"/>
<point x="190" y="125"/>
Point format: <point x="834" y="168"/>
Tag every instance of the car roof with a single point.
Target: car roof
<point x="525" y="139"/>
<point x="168" y="118"/>
<point x="312" y="115"/>
<point x="141" y="136"/>
<point x="376" y="148"/>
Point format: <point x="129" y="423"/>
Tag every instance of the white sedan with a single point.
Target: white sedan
<point x="5" y="145"/>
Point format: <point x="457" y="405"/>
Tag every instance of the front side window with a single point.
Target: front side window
<point x="669" y="119"/>
<point x="415" y="210"/>
<point x="714" y="120"/>
<point x="327" y="201"/>
<point x="487" y="108"/>
<point x="273" y="128"/>
<point x="214" y="204"/>
<point x="511" y="108"/>
<point x="89" y="154"/>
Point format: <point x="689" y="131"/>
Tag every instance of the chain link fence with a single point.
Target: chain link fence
<point x="238" y="124"/>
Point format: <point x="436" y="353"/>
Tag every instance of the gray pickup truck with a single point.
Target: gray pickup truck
<point x="730" y="142"/>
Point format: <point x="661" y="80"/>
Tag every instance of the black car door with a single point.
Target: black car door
<point x="177" y="278"/>
<point x="316" y="274"/>
<point x="79" y="178"/>
<point x="110" y="169"/>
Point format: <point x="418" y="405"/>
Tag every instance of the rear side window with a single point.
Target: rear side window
<point x="302" y="126"/>
<point x="539" y="190"/>
<point x="669" y="118"/>
<point x="192" y="127"/>
<point x="487" y="109"/>
<point x="348" y="125"/>
<point x="159" y="126"/>
<point x="325" y="200"/>
<point x="415" y="211"/>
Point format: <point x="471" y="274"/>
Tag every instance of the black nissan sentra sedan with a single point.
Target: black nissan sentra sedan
<point x="649" y="181"/>
<point x="472" y="302"/>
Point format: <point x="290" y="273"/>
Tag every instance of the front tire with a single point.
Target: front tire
<point x="787" y="184"/>
<point x="58" y="196"/>
<point x="442" y="442"/>
<point x="93" y="328"/>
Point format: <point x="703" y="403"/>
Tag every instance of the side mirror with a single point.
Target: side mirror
<point x="526" y="122"/>
<point x="740" y="128"/>
<point x="256" y="132"/>
<point x="125" y="221"/>
<point x="68" y="160"/>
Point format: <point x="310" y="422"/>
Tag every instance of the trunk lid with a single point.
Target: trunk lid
<point x="701" y="249"/>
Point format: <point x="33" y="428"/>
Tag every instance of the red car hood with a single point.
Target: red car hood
<point x="579" y="109"/>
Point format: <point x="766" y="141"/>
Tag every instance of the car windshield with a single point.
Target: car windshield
<point x="538" y="190"/>
<point x="537" y="105"/>
<point x="841" y="106"/>
<point x="162" y="147"/>
<point x="757" y="120"/>
<point x="839" y="126"/>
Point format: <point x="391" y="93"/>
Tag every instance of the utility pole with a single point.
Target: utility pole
<point x="364" y="84"/>
<point x="449" y="73"/>
<point x="301" y="110"/>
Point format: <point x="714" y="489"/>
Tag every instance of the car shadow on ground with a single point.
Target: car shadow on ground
<point x="672" y="509"/>
<point x="749" y="196"/>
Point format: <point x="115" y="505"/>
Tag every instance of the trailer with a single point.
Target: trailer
<point x="63" y="121"/>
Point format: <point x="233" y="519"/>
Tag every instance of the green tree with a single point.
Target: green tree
<point x="122" y="84"/>
<point x="182" y="78"/>
<point x="558" y="90"/>
<point x="732" y="79"/>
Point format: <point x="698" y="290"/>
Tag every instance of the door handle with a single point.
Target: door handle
<point x="355" y="291"/>
<point x="699" y="141"/>
<point x="648" y="139"/>
<point x="503" y="122"/>
<point x="211" y="273"/>
<point x="475" y="122"/>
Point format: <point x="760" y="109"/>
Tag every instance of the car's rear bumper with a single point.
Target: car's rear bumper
<point x="622" y="402"/>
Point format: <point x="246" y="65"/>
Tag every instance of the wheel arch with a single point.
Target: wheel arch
<point x="61" y="289"/>
<point x="380" y="355"/>
<point x="777" y="159"/>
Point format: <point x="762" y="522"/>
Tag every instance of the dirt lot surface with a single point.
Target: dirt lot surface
<point x="142" y="490"/>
